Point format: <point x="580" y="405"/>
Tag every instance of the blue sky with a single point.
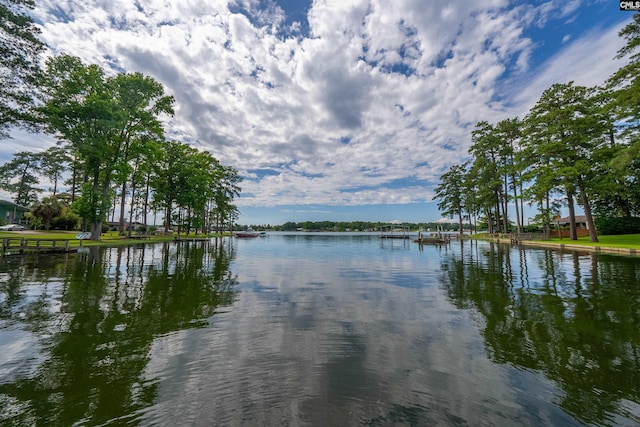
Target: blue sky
<point x="337" y="109"/>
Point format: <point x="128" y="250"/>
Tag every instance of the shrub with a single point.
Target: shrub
<point x="67" y="221"/>
<point x="618" y="225"/>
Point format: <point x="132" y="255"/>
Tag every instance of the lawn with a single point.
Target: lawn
<point x="631" y="241"/>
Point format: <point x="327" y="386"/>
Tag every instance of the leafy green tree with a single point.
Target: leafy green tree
<point x="67" y="220"/>
<point x="623" y="88"/>
<point x="225" y="190"/>
<point x="509" y="131"/>
<point x="54" y="163"/>
<point x="141" y="100"/>
<point x="20" y="48"/>
<point x="99" y="117"/>
<point x="46" y="210"/>
<point x="565" y="128"/>
<point x="139" y="185"/>
<point x="82" y="111"/>
<point x="191" y="187"/>
<point x="488" y="168"/>
<point x="168" y="176"/>
<point x="625" y="85"/>
<point x="450" y="192"/>
<point x="19" y="177"/>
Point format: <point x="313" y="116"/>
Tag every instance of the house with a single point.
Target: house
<point x="581" y="222"/>
<point x="12" y="213"/>
<point x="115" y="225"/>
<point x="582" y="228"/>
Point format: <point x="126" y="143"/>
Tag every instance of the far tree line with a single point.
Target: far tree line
<point x="577" y="146"/>
<point x="349" y="226"/>
<point x="111" y="146"/>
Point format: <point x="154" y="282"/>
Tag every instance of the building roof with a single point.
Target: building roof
<point x="579" y="219"/>
<point x="13" y="205"/>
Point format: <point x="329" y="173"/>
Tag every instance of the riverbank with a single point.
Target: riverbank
<point x="626" y="244"/>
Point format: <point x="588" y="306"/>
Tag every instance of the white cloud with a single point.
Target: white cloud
<point x="328" y="113"/>
<point x="588" y="61"/>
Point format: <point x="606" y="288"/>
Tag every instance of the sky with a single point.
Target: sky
<point x="337" y="110"/>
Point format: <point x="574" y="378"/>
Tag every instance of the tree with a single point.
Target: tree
<point x="489" y="169"/>
<point x="509" y="131"/>
<point x="565" y="128"/>
<point x="19" y="177"/>
<point x="450" y="192"/>
<point x="99" y="117"/>
<point x="192" y="186"/>
<point x="141" y="99"/>
<point x="54" y="163"/>
<point x="623" y="88"/>
<point x="46" y="210"/>
<point x="624" y="84"/>
<point x="19" y="70"/>
<point x="225" y="190"/>
<point x="167" y="177"/>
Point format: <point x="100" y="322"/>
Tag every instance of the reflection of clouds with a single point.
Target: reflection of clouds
<point x="321" y="337"/>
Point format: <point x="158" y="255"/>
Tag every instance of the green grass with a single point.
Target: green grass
<point x="628" y="241"/>
<point x="631" y="241"/>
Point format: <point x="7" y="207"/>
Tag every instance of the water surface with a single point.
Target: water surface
<point x="320" y="329"/>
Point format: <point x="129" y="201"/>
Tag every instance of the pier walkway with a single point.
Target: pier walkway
<point x="20" y="245"/>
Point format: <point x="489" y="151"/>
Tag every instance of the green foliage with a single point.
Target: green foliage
<point x="106" y="123"/>
<point x="192" y="187"/>
<point x="46" y="210"/>
<point x="20" y="48"/>
<point x="450" y="191"/>
<point x="91" y="205"/>
<point x="19" y="177"/>
<point x="618" y="225"/>
<point x="67" y="221"/>
<point x="34" y="222"/>
<point x="54" y="163"/>
<point x="565" y="153"/>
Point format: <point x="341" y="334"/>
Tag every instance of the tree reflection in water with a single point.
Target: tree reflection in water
<point x="85" y="325"/>
<point x="577" y="321"/>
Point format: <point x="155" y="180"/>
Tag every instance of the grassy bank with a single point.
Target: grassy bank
<point x="625" y="244"/>
<point x="629" y="241"/>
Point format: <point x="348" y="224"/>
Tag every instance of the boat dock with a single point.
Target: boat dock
<point x="191" y="239"/>
<point x="20" y="245"/>
<point x="394" y="232"/>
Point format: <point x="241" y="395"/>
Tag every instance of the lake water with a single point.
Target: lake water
<point x="320" y="330"/>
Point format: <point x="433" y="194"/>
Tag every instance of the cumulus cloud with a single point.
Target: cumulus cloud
<point x="370" y="107"/>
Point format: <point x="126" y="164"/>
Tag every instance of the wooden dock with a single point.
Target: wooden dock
<point x="430" y="241"/>
<point x="21" y="245"/>
<point x="394" y="232"/>
<point x="436" y="238"/>
<point x="192" y="239"/>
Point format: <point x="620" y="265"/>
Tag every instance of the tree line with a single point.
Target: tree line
<point x="349" y="226"/>
<point x="576" y="146"/>
<point x="111" y="142"/>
